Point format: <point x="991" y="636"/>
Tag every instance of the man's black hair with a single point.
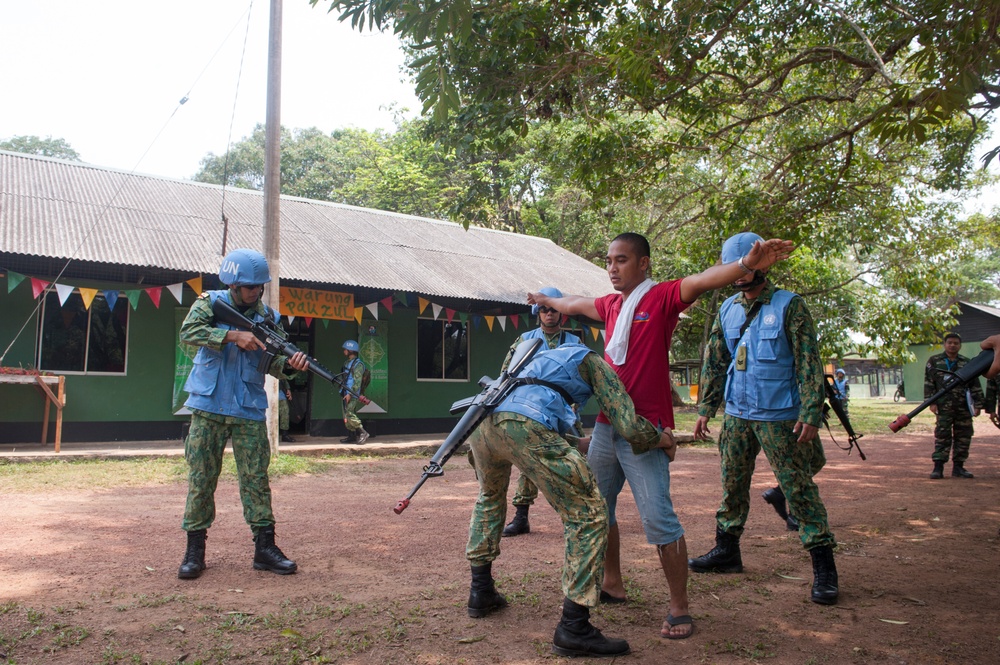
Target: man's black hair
<point x="953" y="334"/>
<point x="638" y="242"/>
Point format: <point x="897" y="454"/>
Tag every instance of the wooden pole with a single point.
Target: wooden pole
<point x="272" y="196"/>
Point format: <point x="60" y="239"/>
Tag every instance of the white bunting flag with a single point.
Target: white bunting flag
<point x="64" y="291"/>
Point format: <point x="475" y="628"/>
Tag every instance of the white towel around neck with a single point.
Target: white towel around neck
<point x="617" y="346"/>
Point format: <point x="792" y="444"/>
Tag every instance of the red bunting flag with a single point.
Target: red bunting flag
<point x="154" y="293"/>
<point x="450" y="313"/>
<point x="38" y="286"/>
<point x="309" y="321"/>
<point x="387" y="303"/>
<point x="516" y="319"/>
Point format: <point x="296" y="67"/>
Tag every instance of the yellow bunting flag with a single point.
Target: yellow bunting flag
<point x="358" y="311"/>
<point x="88" y="296"/>
<point x="423" y="304"/>
<point x="489" y="321"/>
<point x="195" y="284"/>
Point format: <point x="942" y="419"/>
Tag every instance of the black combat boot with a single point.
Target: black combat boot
<point x="776" y="498"/>
<point x="958" y="470"/>
<point x="267" y="556"/>
<point x="194" y="557"/>
<point x="938" y="471"/>
<point x="351" y="437"/>
<point x="724" y="557"/>
<point x="824" y="589"/>
<point x="576" y="636"/>
<point x="362" y="436"/>
<point x="483" y="596"/>
<point x="791" y="523"/>
<point x="519" y="524"/>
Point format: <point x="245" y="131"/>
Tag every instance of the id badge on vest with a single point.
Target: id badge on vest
<point x="741" y="357"/>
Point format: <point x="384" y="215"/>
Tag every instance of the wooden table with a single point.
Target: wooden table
<point x="58" y="399"/>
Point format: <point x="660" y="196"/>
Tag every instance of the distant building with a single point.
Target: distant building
<point x="92" y="259"/>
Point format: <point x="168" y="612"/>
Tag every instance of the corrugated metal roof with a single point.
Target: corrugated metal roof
<point x="68" y="210"/>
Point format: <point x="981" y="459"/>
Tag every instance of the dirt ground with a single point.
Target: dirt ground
<point x="90" y="577"/>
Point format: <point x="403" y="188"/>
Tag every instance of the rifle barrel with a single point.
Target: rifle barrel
<point x="972" y="370"/>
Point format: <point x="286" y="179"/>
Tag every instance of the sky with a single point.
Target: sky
<point x="107" y="76"/>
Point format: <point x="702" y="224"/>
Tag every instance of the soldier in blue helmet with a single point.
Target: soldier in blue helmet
<point x="227" y="400"/>
<point x="353" y="373"/>
<point x="762" y="365"/>
<point x="548" y="330"/>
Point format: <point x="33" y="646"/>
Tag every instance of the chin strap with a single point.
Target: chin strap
<point x="758" y="279"/>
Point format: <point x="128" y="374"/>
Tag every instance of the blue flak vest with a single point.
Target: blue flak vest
<point x="840" y="388"/>
<point x="560" y="366"/>
<point x="348" y="369"/>
<point x="227" y="382"/>
<point x="767" y="389"/>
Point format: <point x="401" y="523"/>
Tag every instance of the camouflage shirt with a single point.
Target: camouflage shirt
<point x="808" y="369"/>
<point x="937" y="369"/>
<point x="199" y="329"/>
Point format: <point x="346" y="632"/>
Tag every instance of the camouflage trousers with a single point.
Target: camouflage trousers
<point x="351" y="420"/>
<point x="794" y="465"/>
<point x="953" y="434"/>
<point x="564" y="478"/>
<point x="203" y="449"/>
<point x="282" y="414"/>
<point x="526" y="492"/>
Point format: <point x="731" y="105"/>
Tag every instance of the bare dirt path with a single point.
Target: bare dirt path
<point x="90" y="577"/>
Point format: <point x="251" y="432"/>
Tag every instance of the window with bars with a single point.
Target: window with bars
<point x="442" y="350"/>
<point x="73" y="338"/>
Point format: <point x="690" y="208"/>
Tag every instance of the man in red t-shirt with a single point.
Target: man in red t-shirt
<point x="639" y="354"/>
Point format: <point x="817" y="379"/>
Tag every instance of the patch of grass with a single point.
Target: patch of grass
<point x="90" y="474"/>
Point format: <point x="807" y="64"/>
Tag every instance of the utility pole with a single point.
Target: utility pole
<point x="272" y="197"/>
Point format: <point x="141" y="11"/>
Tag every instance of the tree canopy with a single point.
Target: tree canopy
<point x="35" y="145"/>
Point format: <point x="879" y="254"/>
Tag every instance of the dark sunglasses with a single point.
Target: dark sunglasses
<point x="545" y="310"/>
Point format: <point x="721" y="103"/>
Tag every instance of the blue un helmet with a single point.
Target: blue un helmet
<point x="244" y="267"/>
<point x="352" y="346"/>
<point x="738" y="246"/>
<point x="551" y="292"/>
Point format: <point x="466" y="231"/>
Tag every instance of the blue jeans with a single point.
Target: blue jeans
<point x="613" y="462"/>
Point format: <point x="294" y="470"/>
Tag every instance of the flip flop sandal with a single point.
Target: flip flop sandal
<point x="678" y="621"/>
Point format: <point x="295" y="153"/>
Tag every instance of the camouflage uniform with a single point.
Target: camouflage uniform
<point x="740" y="440"/>
<point x="953" y="432"/>
<point x="357" y="369"/>
<point x="283" y="408"/>
<point x="561" y="472"/>
<point x="209" y="432"/>
<point x="527" y="491"/>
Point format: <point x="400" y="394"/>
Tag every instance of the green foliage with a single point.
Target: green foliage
<point x="34" y="145"/>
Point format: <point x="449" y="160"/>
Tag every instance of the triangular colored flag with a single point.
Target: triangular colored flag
<point x="154" y="293"/>
<point x="502" y="320"/>
<point x="423" y="304"/>
<point x="373" y="308"/>
<point x="64" y="291"/>
<point x="463" y="317"/>
<point x="449" y="314"/>
<point x="564" y="319"/>
<point x="177" y="291"/>
<point x="437" y="310"/>
<point x="133" y="297"/>
<point x="595" y="332"/>
<point x="13" y="279"/>
<point x="489" y="321"/>
<point x="475" y="322"/>
<point x="604" y="333"/>
<point x="111" y="297"/>
<point x="88" y="296"/>
<point x="38" y="286"/>
<point x="573" y="324"/>
<point x="308" y="320"/>
<point x="326" y="323"/>
<point x="195" y="284"/>
<point x="387" y="303"/>
<point x="402" y="298"/>
<point x="358" y="312"/>
<point x="516" y="318"/>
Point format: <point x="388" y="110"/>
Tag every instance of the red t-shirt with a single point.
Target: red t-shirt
<point x="646" y="371"/>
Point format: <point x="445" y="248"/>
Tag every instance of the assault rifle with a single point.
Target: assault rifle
<point x="838" y="408"/>
<point x="963" y="377"/>
<point x="476" y="409"/>
<point x="276" y="343"/>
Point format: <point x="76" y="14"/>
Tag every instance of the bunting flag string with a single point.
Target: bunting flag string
<point x="38" y="286"/>
<point x="88" y="296"/>
<point x="502" y="320"/>
<point x="177" y="291"/>
<point x="449" y="313"/>
<point x="387" y="303"/>
<point x="437" y="310"/>
<point x="422" y="302"/>
<point x="516" y="319"/>
<point x="133" y="297"/>
<point x="195" y="284"/>
<point x="373" y="308"/>
<point x="309" y="321"/>
<point x="489" y="321"/>
<point x="111" y="297"/>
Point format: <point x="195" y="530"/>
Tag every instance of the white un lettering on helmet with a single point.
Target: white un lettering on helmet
<point x="230" y="267"/>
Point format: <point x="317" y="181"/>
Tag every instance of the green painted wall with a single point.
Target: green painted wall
<point x="913" y="373"/>
<point x="144" y="393"/>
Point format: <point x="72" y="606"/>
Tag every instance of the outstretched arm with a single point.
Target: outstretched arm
<point x="570" y="305"/>
<point x="763" y="255"/>
<point x="992" y="342"/>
